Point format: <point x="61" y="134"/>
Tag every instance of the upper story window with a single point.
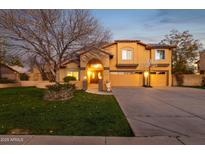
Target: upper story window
<point x="127" y="54"/>
<point x="159" y="54"/>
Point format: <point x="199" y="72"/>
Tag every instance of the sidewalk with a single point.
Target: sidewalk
<point x="92" y="140"/>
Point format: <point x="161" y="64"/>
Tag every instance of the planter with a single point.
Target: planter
<point x="59" y="92"/>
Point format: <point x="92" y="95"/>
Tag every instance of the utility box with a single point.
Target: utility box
<point x="85" y="84"/>
<point x="100" y="85"/>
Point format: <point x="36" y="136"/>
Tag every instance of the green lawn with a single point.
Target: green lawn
<point x="85" y="114"/>
<point x="199" y="87"/>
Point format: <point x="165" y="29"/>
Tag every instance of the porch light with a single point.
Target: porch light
<point x="99" y="75"/>
<point x="147" y="79"/>
<point x="89" y="73"/>
<point x="96" y="65"/>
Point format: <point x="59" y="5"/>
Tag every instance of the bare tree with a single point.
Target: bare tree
<point x="55" y="36"/>
<point x="36" y="62"/>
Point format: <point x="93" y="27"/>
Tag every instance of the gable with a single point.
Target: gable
<point x="97" y="51"/>
<point x="6" y="69"/>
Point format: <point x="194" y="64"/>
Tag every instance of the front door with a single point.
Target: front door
<point x="95" y="76"/>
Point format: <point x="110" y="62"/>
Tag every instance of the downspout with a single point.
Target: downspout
<point x="149" y="68"/>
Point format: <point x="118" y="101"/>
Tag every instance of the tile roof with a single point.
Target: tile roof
<point x="154" y="46"/>
<point x="148" y="46"/>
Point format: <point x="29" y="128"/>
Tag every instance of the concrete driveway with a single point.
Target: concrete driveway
<point x="164" y="111"/>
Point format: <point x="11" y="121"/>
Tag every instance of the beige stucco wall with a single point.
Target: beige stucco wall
<point x="38" y="84"/>
<point x="78" y="84"/>
<point x="126" y="80"/>
<point x="167" y="59"/>
<point x="35" y="75"/>
<point x="202" y="61"/>
<point x="9" y="85"/>
<point x="190" y="80"/>
<point x="69" y="67"/>
<point x="122" y="45"/>
<point x="141" y="57"/>
<point x="102" y="57"/>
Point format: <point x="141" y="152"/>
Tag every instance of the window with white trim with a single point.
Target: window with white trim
<point x="74" y="74"/>
<point x="159" y="54"/>
<point x="127" y="54"/>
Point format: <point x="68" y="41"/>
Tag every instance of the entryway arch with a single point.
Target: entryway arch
<point x="94" y="71"/>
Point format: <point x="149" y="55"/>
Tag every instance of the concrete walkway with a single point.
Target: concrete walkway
<point x="93" y="88"/>
<point x="164" y="112"/>
<point x="91" y="140"/>
<point x="98" y="92"/>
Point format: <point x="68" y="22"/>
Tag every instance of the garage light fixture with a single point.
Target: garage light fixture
<point x="146" y="74"/>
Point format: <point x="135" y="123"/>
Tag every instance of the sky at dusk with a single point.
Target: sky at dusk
<point x="150" y="26"/>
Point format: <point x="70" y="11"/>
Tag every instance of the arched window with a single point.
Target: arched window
<point x="127" y="53"/>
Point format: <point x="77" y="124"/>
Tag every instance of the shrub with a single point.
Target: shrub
<point x="58" y="87"/>
<point x="59" y="92"/>
<point x="69" y="78"/>
<point x="24" y="77"/>
<point x="203" y="81"/>
<point x="6" y="80"/>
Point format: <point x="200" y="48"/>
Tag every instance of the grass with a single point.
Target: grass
<point x="199" y="87"/>
<point x="84" y="115"/>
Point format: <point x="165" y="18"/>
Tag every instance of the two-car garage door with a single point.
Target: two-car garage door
<point x="137" y="79"/>
<point x="126" y="79"/>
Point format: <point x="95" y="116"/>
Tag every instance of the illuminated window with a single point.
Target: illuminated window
<point x="127" y="54"/>
<point x="74" y="74"/>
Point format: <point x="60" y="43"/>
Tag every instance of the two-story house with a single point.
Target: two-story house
<point x="123" y="63"/>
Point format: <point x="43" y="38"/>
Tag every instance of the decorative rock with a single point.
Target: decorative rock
<point x="61" y="94"/>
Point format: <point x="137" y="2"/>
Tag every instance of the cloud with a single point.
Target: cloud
<point x="148" y="26"/>
<point x="181" y="16"/>
<point x="152" y="25"/>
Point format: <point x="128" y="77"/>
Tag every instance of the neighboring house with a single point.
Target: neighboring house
<point x="201" y="63"/>
<point x="35" y="74"/>
<point x="20" y="69"/>
<point x="123" y="63"/>
<point x="8" y="72"/>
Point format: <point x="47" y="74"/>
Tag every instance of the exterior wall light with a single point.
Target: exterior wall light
<point x="146" y="74"/>
<point x="89" y="73"/>
<point x="99" y="75"/>
<point x="96" y="65"/>
<point x="147" y="79"/>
